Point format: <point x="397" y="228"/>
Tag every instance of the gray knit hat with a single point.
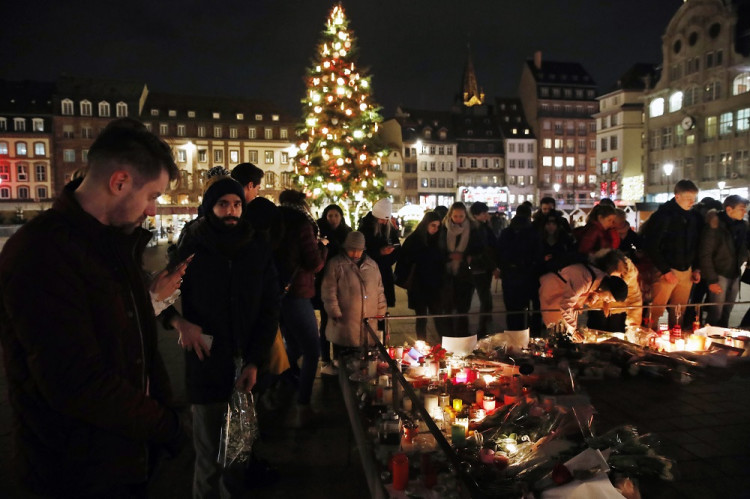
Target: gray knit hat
<point x="354" y="241"/>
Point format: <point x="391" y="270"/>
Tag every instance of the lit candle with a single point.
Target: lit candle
<point x="679" y="344"/>
<point x="458" y="404"/>
<point x="479" y="415"/>
<point x="488" y="378"/>
<point x="489" y="403"/>
<point x="444" y="400"/>
<point x="464" y="422"/>
<point x="480" y="397"/>
<point x="430" y="402"/>
<point x="461" y="377"/>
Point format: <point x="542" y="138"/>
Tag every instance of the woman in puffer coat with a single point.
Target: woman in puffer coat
<point x="352" y="289"/>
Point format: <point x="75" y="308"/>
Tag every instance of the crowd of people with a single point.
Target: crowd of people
<point x="91" y="401"/>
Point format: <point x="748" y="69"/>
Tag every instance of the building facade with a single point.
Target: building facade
<point x="558" y="100"/>
<point x="619" y="136"/>
<point x="26" y="149"/>
<point x="698" y="115"/>
<point x="520" y="148"/>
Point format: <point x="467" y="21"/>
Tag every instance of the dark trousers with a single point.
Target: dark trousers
<point x="483" y="283"/>
<point x="325" y="345"/>
<point x="457" y="294"/>
<point x="300" y="330"/>
<point x="518" y="295"/>
<point x="431" y="306"/>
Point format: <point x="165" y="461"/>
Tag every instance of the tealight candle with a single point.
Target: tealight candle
<point x="458" y="404"/>
<point x="489" y="403"/>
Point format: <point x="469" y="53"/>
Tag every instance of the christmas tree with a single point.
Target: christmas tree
<point x="339" y="153"/>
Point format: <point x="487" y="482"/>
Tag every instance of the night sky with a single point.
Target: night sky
<point x="414" y="49"/>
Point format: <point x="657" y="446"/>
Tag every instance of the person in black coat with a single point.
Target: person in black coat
<point x="230" y="293"/>
<point x="420" y="270"/>
<point x="484" y="265"/>
<point x="671" y="243"/>
<point x="382" y="244"/>
<point x="332" y="226"/>
<point x="520" y="255"/>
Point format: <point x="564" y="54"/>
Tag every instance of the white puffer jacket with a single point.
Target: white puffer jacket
<point x="351" y="292"/>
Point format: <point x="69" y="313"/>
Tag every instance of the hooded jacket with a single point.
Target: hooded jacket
<point x="85" y="378"/>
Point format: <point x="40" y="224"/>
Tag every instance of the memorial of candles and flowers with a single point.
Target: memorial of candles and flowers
<point x="514" y="415"/>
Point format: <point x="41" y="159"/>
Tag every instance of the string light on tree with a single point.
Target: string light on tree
<point x="338" y="158"/>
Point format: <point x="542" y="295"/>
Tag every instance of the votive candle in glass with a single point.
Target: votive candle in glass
<point x="458" y="404"/>
<point x="489" y="403"/>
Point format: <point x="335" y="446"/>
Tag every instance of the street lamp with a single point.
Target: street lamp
<point x="721" y="185"/>
<point x="668" y="168"/>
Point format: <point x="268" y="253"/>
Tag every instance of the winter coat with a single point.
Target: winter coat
<point x="235" y="299"/>
<point x="86" y="382"/>
<point x="485" y="261"/>
<point x="594" y="237"/>
<point x="373" y="244"/>
<point x="670" y="237"/>
<point x="564" y="292"/>
<point x="350" y="293"/>
<point x="425" y="256"/>
<point x="299" y="255"/>
<point x="723" y="247"/>
<point x="520" y="251"/>
<point x="559" y="254"/>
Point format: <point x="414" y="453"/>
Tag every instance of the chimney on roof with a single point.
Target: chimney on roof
<point x="538" y="59"/>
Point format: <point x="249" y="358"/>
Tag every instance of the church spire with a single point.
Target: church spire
<point x="472" y="94"/>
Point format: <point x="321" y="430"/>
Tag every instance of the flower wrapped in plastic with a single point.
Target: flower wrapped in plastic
<point x="632" y="454"/>
<point x="240" y="426"/>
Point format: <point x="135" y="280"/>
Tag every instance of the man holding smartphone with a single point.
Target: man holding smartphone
<point x="230" y="306"/>
<point x="86" y="382"/>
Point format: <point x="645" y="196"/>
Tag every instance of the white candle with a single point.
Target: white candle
<point x="431" y="402"/>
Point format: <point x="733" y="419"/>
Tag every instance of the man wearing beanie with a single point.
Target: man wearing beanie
<point x="230" y="305"/>
<point x="382" y="244"/>
<point x="351" y="290"/>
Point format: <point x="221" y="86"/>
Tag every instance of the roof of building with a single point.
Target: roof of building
<point x="511" y="118"/>
<point x="637" y="77"/>
<point x="74" y="87"/>
<point x="561" y="73"/>
<point x="26" y="97"/>
<point x="205" y="106"/>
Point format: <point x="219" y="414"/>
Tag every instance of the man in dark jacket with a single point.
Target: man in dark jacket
<point x="520" y="254"/>
<point x="484" y="265"/>
<point x="230" y="293"/>
<point x="723" y="250"/>
<point x="671" y="242"/>
<point x="546" y="207"/>
<point x="86" y="382"/>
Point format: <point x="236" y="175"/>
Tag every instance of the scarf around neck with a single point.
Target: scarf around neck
<point x="457" y="239"/>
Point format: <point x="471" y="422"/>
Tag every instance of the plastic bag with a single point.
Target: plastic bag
<point x="240" y="426"/>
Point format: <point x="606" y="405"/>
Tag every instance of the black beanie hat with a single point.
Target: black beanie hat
<point x="616" y="285"/>
<point x="218" y="186"/>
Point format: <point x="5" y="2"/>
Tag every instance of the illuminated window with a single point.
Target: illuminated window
<point x="675" y="102"/>
<point x="121" y="110"/>
<point x="656" y="108"/>
<point x="67" y="107"/>
<point x="104" y="109"/>
<point x="741" y="84"/>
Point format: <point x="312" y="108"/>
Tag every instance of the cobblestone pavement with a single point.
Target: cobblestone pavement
<point x="703" y="425"/>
